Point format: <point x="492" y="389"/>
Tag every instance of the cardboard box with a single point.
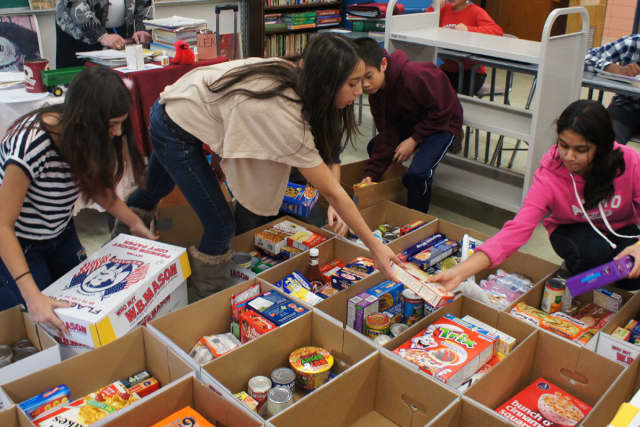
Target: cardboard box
<point x="534" y="297"/>
<point x="461" y="307"/>
<point x="390" y="186"/>
<point x="13" y="417"/>
<point x="188" y="391"/>
<point x="612" y="347"/>
<point x="464" y="412"/>
<point x="113" y="289"/>
<point x="232" y="372"/>
<point x="531" y="266"/>
<point x="578" y="371"/>
<point x="329" y="250"/>
<point x="388" y="212"/>
<point x="16" y="325"/>
<point x="181" y="329"/>
<point x="377" y="392"/>
<point x="137" y="351"/>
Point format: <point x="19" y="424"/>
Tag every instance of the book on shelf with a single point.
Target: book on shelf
<point x="301" y="26"/>
<point x="330" y="12"/>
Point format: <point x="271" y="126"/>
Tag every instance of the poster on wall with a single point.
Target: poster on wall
<point x="19" y="39"/>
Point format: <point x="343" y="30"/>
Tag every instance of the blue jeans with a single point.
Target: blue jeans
<point x="419" y="177"/>
<point x="178" y="159"/>
<point x="48" y="260"/>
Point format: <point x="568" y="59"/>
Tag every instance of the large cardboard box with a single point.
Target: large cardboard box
<point x="390" y="186"/>
<point x="188" y="391"/>
<point x="578" y="371"/>
<point x="140" y="350"/>
<point x="377" y="392"/>
<point x="231" y="373"/>
<point x="614" y="348"/>
<point x="465" y="412"/>
<point x="16" y="325"/>
<point x="12" y="417"/>
<point x="115" y="288"/>
<point x="534" y="298"/>
<point x="182" y="329"/>
<point x="329" y="250"/>
<point x="388" y="212"/>
<point x="531" y="266"/>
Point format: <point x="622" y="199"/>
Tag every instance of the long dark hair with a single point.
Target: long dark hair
<point x="592" y="121"/>
<point x="328" y="60"/>
<point x="97" y="161"/>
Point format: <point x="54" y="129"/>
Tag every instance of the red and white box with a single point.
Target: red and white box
<point x="543" y="404"/>
<point x="118" y="287"/>
<point x="448" y="351"/>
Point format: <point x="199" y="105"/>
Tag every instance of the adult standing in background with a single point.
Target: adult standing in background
<point x="620" y="57"/>
<point x="84" y="25"/>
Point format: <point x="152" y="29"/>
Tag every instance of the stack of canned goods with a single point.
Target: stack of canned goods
<point x="18" y="350"/>
<point x="273" y="394"/>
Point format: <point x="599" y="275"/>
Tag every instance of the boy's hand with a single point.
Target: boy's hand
<point x="405" y="150"/>
<point x="626" y="70"/>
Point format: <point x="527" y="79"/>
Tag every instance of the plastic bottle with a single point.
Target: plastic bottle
<point x="314" y="275"/>
<point x="195" y="53"/>
<point x="164" y="59"/>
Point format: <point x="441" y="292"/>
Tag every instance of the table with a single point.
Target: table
<point x="594" y="82"/>
<point x="17" y="102"/>
<point x="147" y="86"/>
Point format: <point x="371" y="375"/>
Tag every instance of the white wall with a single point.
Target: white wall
<point x="46" y="22"/>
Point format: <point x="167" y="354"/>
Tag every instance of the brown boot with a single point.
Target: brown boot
<point x="147" y="218"/>
<point x="209" y="273"/>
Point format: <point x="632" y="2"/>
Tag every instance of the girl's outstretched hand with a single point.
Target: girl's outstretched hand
<point x="634" y="251"/>
<point x="383" y="256"/>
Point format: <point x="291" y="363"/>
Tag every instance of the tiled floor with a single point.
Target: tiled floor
<point x="92" y="226"/>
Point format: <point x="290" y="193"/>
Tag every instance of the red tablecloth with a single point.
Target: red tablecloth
<point x="147" y="86"/>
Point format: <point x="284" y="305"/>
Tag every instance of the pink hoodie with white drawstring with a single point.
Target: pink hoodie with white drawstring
<point x="557" y="192"/>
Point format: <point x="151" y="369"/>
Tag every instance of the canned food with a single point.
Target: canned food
<point x="376" y="324"/>
<point x="552" y="297"/>
<point x="21" y="343"/>
<point x="284" y="377"/>
<point x="397" y="329"/>
<point x="6" y="355"/>
<point x="23" y="352"/>
<point x="280" y="398"/>
<point x="382" y="339"/>
<point x="241" y="259"/>
<point x="389" y="236"/>
<point x="384" y="228"/>
<point x="258" y="388"/>
<point x="311" y="365"/>
<point x="412" y="307"/>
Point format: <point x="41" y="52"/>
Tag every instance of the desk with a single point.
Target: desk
<point x="594" y="81"/>
<point x="11" y="109"/>
<point x="147" y="86"/>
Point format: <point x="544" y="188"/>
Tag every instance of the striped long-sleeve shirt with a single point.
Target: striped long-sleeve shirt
<point x="48" y="204"/>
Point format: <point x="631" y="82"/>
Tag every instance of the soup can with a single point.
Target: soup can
<point x="6" y="355"/>
<point x="258" y="388"/>
<point x="412" y="307"/>
<point x="280" y="398"/>
<point x="241" y="259"/>
<point x="377" y="324"/>
<point x="554" y="289"/>
<point x="382" y="339"/>
<point x="284" y="377"/>
<point x="397" y="328"/>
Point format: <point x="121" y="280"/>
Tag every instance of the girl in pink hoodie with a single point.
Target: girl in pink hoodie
<point x="587" y="190"/>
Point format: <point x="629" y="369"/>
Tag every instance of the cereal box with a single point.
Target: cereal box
<point x="544" y="404"/>
<point x="388" y="294"/>
<point x="186" y="416"/>
<point x="276" y="307"/>
<point x="432" y="294"/>
<point x="299" y="199"/>
<point x="448" y="351"/>
<point x="116" y="287"/>
<point x="358" y="308"/>
<point x="252" y="325"/>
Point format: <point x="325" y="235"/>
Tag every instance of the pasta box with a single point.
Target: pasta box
<point x="112" y="291"/>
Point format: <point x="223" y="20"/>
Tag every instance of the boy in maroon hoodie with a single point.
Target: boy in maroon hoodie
<point x="416" y="112"/>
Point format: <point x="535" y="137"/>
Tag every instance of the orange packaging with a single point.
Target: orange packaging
<point x="252" y="325"/>
<point x="145" y="387"/>
<point x="330" y="268"/>
<point x="186" y="416"/>
<point x="304" y="240"/>
<point x="448" y="350"/>
<point x="543" y="404"/>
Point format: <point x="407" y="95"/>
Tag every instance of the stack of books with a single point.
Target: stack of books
<point x="360" y="23"/>
<point x="273" y="22"/>
<point x="166" y="31"/>
<point x="328" y="18"/>
<point x="300" y="21"/>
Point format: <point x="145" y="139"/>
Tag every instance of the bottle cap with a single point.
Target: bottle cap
<point x="314" y="252"/>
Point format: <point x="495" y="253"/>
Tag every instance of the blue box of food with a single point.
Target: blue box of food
<point x="388" y="293"/>
<point x="45" y="401"/>
<point x="299" y="199"/>
<point x="345" y="278"/>
<point x="276" y="307"/>
<point x="394" y="313"/>
<point x="433" y="255"/>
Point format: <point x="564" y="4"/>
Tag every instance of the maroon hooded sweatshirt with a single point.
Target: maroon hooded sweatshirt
<point x="417" y="100"/>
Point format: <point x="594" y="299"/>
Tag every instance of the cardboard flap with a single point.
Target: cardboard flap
<point x="13" y="317"/>
<point x="356" y="346"/>
<point x="328" y="334"/>
<point x="31" y="329"/>
<point x="449" y="417"/>
<point x="224" y="409"/>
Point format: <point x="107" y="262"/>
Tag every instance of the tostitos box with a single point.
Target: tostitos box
<point x="448" y="350"/>
<point x="113" y="290"/>
<point x="187" y="417"/>
<point x="543" y="404"/>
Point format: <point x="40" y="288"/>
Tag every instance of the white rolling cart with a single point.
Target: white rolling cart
<point x="559" y="61"/>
